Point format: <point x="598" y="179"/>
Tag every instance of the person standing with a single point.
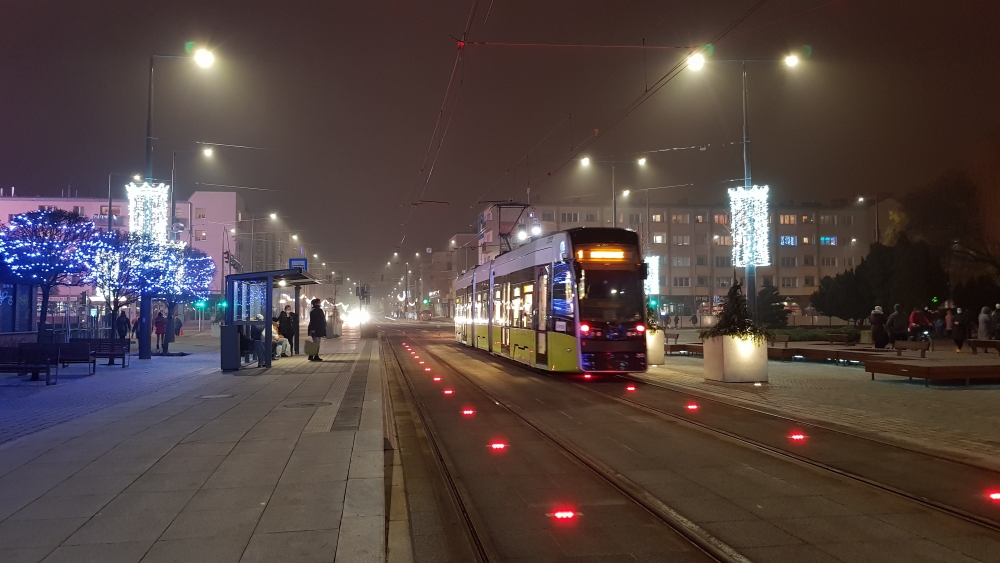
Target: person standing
<point x="995" y="323"/>
<point x="160" y="328"/>
<point x="958" y="329"/>
<point x="122" y="325"/>
<point x="897" y="324"/>
<point x="984" y="324"/>
<point x="880" y="336"/>
<point x="135" y="325"/>
<point x="317" y="328"/>
<point x="287" y="323"/>
<point x="677" y="321"/>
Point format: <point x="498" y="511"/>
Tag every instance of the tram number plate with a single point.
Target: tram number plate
<point x="560" y="326"/>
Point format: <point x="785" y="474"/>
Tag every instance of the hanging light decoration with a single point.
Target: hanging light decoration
<point x="748" y="207"/>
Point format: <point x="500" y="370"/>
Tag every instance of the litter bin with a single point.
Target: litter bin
<point x="229" y="347"/>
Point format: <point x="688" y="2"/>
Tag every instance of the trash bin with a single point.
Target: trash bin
<point x="229" y="347"/>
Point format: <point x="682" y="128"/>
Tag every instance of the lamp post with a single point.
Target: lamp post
<point x="878" y="232"/>
<point x="204" y="59"/>
<point x="585" y="161"/>
<point x="697" y="62"/>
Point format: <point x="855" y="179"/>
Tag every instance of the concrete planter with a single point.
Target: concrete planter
<point x="654" y="348"/>
<point x="215" y="331"/>
<point x="734" y="360"/>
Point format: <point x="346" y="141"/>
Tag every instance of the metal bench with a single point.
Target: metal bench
<point x="30" y="358"/>
<point x="900" y="345"/>
<point x="975" y="343"/>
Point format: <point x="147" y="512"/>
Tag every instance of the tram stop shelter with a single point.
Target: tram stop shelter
<point x="251" y="294"/>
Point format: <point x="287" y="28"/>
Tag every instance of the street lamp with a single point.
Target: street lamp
<point x="878" y="234"/>
<point x="204" y="58"/>
<point x="749" y="203"/>
<point x="207" y="151"/>
<point x="585" y="161"/>
<point x="274" y="216"/>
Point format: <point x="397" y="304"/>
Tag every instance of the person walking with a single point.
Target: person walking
<point x="880" y="336"/>
<point x="677" y="321"/>
<point x="122" y="325"/>
<point x="995" y="323"/>
<point x="958" y="329"/>
<point x="317" y="328"/>
<point x="984" y="324"/>
<point x="160" y="328"/>
<point x="135" y="326"/>
<point x="896" y="324"/>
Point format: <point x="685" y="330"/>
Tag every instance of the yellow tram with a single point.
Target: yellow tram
<point x="568" y="302"/>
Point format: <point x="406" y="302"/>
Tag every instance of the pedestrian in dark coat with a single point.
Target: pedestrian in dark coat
<point x="317" y="327"/>
<point x="880" y="336"/>
<point x="984" y="324"/>
<point x="288" y="323"/>
<point x="959" y="329"/>
<point x="122" y="325"/>
<point x="897" y="323"/>
<point x="160" y="328"/>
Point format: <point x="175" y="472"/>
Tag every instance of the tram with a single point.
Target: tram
<point x="568" y="302"/>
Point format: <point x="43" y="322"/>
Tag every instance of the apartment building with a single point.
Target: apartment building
<point x="439" y="269"/>
<point x="689" y="247"/>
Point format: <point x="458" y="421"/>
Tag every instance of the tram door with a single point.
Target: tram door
<point x="466" y="311"/>
<point x="506" y="314"/>
<point x="542" y="314"/>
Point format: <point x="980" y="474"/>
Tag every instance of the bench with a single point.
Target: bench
<point x="838" y="339"/>
<point x="783" y="353"/>
<point x="780" y="339"/>
<point x="77" y="353"/>
<point x="938" y="372"/>
<point x="984" y="344"/>
<point x="109" y="348"/>
<point x="901" y="345"/>
<point x="26" y="358"/>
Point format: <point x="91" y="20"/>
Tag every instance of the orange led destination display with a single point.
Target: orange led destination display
<point x="603" y="254"/>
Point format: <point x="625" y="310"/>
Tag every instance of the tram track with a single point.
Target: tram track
<point x="800" y="459"/>
<point x="780" y="453"/>
<point x="696" y="535"/>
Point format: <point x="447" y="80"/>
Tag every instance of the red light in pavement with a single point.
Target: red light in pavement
<point x="640" y="328"/>
<point x="437" y="379"/>
<point x="630" y="388"/>
<point x="691" y="407"/>
<point x="587" y="376"/>
<point x="416" y="357"/>
<point x="498" y="445"/>
<point x="564" y="514"/>
<point x="584" y="328"/>
<point x="468" y="412"/>
<point x="448" y="391"/>
<point x="994" y="496"/>
<point x="798" y="437"/>
<point x="427" y="369"/>
<point x="421" y="362"/>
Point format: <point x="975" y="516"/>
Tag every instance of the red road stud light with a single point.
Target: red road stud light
<point x="416" y="357"/>
<point x="421" y="362"/>
<point x="691" y="407"/>
<point x="564" y="514"/>
<point x="427" y="369"/>
<point x="468" y="412"/>
<point x="448" y="392"/>
<point x="630" y="388"/>
<point x="587" y="376"/>
<point x="798" y="437"/>
<point x="437" y="379"/>
<point x="498" y="446"/>
<point x="994" y="496"/>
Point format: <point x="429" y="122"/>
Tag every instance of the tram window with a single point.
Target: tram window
<point x="562" y="291"/>
<point x="613" y="296"/>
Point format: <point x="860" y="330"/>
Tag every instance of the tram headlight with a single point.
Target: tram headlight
<point x="584" y="328"/>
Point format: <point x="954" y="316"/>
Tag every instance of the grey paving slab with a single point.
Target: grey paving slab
<point x="121" y="529"/>
<point x="362" y="539"/>
<point x="128" y="552"/>
<point x="80" y="506"/>
<point x="299" y="517"/>
<point x="17" y="534"/>
<point x="216" y="549"/>
<point x="314" y="546"/>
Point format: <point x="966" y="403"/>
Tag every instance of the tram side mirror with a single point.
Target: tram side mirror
<point x="565" y="256"/>
<point x="577" y="271"/>
<point x="645" y="270"/>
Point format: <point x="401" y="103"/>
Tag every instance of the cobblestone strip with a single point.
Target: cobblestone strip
<point x="322" y="419"/>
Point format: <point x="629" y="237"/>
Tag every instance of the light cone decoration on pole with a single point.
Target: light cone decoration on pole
<point x="147" y="207"/>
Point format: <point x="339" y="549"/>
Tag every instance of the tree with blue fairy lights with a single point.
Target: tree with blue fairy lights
<point x="48" y="249"/>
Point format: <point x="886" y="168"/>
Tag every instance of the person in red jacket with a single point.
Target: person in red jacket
<point x="918" y="323"/>
<point x="160" y="327"/>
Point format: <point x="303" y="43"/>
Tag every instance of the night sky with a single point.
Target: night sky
<point x="347" y="94"/>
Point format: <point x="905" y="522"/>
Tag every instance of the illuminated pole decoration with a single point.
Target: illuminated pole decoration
<point x="749" y="211"/>
<point x="147" y="205"/>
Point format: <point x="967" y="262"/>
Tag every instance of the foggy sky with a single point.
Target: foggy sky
<point x="346" y="94"/>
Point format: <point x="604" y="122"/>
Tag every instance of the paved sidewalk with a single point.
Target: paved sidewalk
<point x="284" y="464"/>
<point x="957" y="420"/>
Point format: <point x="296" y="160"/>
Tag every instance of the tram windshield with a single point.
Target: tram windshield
<point x="613" y="296"/>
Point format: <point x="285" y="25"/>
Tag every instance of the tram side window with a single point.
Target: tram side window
<point x="562" y="291"/>
<point x="498" y="312"/>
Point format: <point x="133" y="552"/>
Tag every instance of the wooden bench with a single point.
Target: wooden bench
<point x="26" y="358"/>
<point x="109" y="348"/>
<point x="671" y="348"/>
<point x="838" y="339"/>
<point x="77" y="353"/>
<point x="928" y="372"/>
<point x="781" y="339"/>
<point x="774" y="352"/>
<point x="984" y="344"/>
<point x="901" y="345"/>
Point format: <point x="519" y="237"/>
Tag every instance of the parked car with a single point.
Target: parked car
<point x="425" y="315"/>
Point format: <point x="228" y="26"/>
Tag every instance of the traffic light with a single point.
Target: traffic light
<point x="652" y="302"/>
<point x="225" y="256"/>
<point x="426" y="300"/>
<point x="200" y="304"/>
